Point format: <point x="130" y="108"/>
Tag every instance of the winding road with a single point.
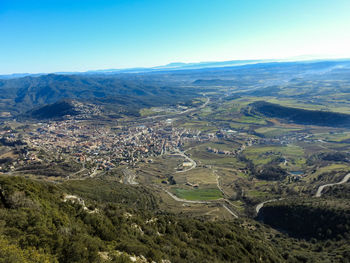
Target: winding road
<point x="343" y="181"/>
<point x="198" y="202"/>
<point x="261" y="205"/>
<point x="194" y="164"/>
<point x="318" y="193"/>
<point x="184" y="200"/>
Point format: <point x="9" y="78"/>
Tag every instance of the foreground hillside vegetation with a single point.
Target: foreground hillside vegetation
<point x="37" y="225"/>
<point x="112" y="222"/>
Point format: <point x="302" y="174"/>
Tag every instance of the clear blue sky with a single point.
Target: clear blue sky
<point x="79" y="35"/>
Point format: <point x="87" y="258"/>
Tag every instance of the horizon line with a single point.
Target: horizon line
<point x="168" y="66"/>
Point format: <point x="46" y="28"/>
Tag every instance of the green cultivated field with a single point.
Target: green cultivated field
<point x="275" y="131"/>
<point x="198" y="194"/>
<point x="335" y="137"/>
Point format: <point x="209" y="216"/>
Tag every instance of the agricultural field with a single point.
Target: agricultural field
<point x="198" y="194"/>
<point x="276" y="131"/>
<point x="287" y="154"/>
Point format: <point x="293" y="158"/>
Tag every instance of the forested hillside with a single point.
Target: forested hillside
<point x="313" y="218"/>
<point x="40" y="223"/>
<point x="302" y="116"/>
<point x="23" y="94"/>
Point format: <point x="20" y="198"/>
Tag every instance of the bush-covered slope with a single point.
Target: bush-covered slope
<point x="314" y="218"/>
<point x="36" y="224"/>
<point x="337" y="191"/>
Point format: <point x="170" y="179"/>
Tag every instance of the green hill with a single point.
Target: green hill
<point x="55" y="110"/>
<point x="129" y="93"/>
<point x="301" y="116"/>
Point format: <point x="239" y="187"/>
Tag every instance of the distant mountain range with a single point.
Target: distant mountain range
<point x="175" y="66"/>
<point x="171" y="66"/>
<point x="122" y="92"/>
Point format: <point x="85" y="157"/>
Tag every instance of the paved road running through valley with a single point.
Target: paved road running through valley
<point x="318" y="193"/>
<point x="343" y="181"/>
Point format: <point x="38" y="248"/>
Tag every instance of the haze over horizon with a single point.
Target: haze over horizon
<point x="55" y="36"/>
